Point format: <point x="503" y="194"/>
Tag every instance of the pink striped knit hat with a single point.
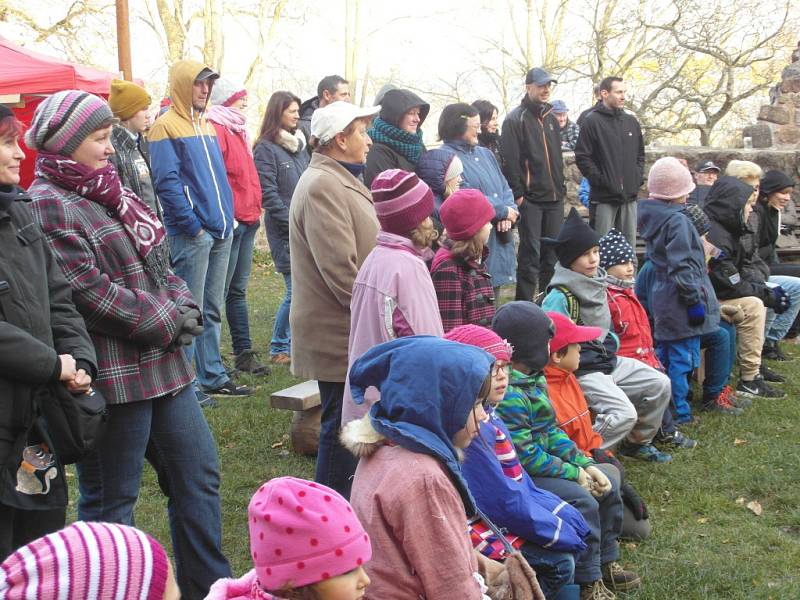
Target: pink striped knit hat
<point x="62" y="121"/>
<point x="402" y="200"/>
<point x="475" y="335"/>
<point x="87" y="560"/>
<point x="303" y="532"/>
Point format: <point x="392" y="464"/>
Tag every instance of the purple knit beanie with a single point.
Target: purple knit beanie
<point x="669" y="179"/>
<point x="62" y="121"/>
<point x="402" y="200"/>
<point x="87" y="560"/>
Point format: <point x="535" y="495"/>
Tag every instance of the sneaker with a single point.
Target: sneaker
<point x="596" y="590"/>
<point x="230" y="389"/>
<point x="772" y="351"/>
<point x="677" y="439"/>
<point x="247" y="362"/>
<point x="645" y="452"/>
<point x="722" y="404"/>
<point x="281" y="358"/>
<point x="770" y="375"/>
<point x="757" y="388"/>
<point x="735" y="400"/>
<point x="618" y="579"/>
<point x="204" y="400"/>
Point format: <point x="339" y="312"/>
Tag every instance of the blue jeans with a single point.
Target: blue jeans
<point x="720" y="347"/>
<point x="202" y="262"/>
<point x="239" y="266"/>
<point x="335" y="464"/>
<point x="172" y="434"/>
<point x="603" y="516"/>
<point x="776" y="326"/>
<point x="553" y="569"/>
<point x="281" y="332"/>
<point x="680" y="358"/>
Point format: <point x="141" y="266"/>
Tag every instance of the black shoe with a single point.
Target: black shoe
<point x="770" y="375"/>
<point x="204" y="400"/>
<point x="247" y="362"/>
<point x="758" y="388"/>
<point x="772" y="351"/>
<point x="229" y="389"/>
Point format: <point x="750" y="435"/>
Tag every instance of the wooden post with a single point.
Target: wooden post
<point x="124" y="40"/>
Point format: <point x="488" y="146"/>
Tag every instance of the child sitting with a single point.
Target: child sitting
<point x="572" y="414"/>
<point x="463" y="285"/>
<point x="627" y="397"/>
<point x="305" y="542"/>
<point x="539" y="524"/>
<point x="632" y="326"/>
<point x="408" y="488"/>
<point x="552" y="459"/>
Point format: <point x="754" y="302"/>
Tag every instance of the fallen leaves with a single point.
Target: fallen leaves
<point x="755" y="507"/>
<point x="739" y="442"/>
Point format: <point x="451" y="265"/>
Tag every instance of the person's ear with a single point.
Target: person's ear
<point x="555" y="358"/>
<point x="341" y="141"/>
<point x="326" y="96"/>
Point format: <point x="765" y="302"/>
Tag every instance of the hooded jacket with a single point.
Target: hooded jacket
<point x="431" y="168"/>
<point x="610" y="154"/>
<point x="188" y="170"/>
<point x="307" y="109"/>
<point x="680" y="276"/>
<point x="725" y="209"/>
<point x="631" y="323"/>
<point x="531" y="149"/>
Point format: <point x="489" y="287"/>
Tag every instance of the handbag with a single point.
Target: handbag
<point x="75" y="422"/>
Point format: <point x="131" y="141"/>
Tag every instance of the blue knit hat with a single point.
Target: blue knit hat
<point x="615" y="250"/>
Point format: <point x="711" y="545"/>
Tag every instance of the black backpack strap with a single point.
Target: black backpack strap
<point x="573" y="306"/>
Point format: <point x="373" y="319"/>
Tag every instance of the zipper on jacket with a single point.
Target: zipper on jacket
<point x="188" y="196"/>
<point x="547" y="158"/>
<point x="211" y="168"/>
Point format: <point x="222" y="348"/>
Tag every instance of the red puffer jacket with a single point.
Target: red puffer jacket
<point x="632" y="326"/>
<point x="242" y="175"/>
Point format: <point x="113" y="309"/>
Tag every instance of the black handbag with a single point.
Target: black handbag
<point x="74" y="422"/>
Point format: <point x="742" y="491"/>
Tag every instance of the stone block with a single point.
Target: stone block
<point x="760" y="133"/>
<point x="774" y="114"/>
<point x="788" y="135"/>
<point x="789" y="86"/>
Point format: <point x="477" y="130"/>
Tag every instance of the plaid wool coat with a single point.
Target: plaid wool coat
<point x="130" y="319"/>
<point x="464" y="290"/>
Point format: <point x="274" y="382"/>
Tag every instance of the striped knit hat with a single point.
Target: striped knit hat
<point x="62" y="121"/>
<point x="87" y="560"/>
<point x="475" y="335"/>
<point x="402" y="200"/>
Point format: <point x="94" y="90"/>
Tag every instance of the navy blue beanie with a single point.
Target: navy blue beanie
<point x="525" y="326"/>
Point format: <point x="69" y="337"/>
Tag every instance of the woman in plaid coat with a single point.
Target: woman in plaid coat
<point x="112" y="249"/>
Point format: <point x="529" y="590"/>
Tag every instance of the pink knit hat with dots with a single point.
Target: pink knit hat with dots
<point x="475" y="335"/>
<point x="303" y="532"/>
<point x="87" y="560"/>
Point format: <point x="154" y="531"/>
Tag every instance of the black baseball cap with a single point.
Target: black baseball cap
<point x="707" y="165"/>
<point x="539" y="76"/>
<point x="206" y="73"/>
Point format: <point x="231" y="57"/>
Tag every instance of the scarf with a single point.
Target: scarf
<point x="291" y="142"/>
<point x="355" y="169"/>
<point x="402" y="142"/>
<point x="590" y="293"/>
<point x="489" y="140"/>
<point x="232" y="119"/>
<point x="103" y="186"/>
<point x="623" y="284"/>
<point x="8" y="193"/>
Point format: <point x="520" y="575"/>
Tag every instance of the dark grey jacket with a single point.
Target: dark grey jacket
<point x="132" y="161"/>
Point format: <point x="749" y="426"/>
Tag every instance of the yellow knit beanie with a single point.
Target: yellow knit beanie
<point x="127" y="98"/>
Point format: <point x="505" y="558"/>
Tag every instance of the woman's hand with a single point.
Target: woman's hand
<point x="81" y="383"/>
<point x="504" y="225"/>
<point x="67" y="367"/>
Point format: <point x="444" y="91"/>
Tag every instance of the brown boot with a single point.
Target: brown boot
<point x="596" y="591"/>
<point x="618" y="579"/>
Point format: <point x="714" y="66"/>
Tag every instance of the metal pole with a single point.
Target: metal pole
<point x="124" y="40"/>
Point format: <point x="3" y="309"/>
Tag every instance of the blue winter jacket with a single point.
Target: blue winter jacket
<point x="481" y="172"/>
<point x="519" y="507"/>
<point x="680" y="278"/>
<point x="431" y="168"/>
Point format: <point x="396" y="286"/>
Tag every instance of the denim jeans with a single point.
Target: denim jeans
<point x="202" y="262"/>
<point x="281" y="332"/>
<point x="172" y="434"/>
<point x="720" y="347"/>
<point x="680" y="358"/>
<point x="603" y="516"/>
<point x="553" y="569"/>
<point x="777" y="325"/>
<point x="239" y="266"/>
<point x="335" y="464"/>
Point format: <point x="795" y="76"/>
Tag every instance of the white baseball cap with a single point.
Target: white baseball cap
<point x="334" y="118"/>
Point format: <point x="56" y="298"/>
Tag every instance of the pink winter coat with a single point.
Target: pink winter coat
<point x="244" y="588"/>
<point x="393" y="297"/>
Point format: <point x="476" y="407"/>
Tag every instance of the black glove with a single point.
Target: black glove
<point x="607" y="457"/>
<point x="187" y="327"/>
<point x="781" y="300"/>
<point x="634" y="502"/>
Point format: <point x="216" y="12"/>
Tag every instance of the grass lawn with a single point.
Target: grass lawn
<point x="706" y="543"/>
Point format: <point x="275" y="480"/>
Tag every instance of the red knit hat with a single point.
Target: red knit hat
<point x="402" y="200"/>
<point x="303" y="532"/>
<point x="475" y="335"/>
<point x="464" y="213"/>
<point x="568" y="332"/>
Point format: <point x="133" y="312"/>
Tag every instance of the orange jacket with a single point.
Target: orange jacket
<point x="572" y="412"/>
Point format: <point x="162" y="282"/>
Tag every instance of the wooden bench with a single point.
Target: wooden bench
<point x="303" y="399"/>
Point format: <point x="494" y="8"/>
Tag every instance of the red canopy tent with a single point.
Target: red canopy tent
<point x="27" y="76"/>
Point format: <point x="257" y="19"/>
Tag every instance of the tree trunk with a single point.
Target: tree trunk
<point x="172" y="21"/>
<point x="212" y="28"/>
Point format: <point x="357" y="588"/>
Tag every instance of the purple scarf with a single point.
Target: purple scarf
<point x="232" y="119"/>
<point x="103" y="186"/>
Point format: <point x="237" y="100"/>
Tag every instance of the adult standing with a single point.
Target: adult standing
<point x="610" y="154"/>
<point x="533" y="165"/>
<point x="111" y="248"/>
<point x="332" y="88"/>
<point x="459" y="125"/>
<point x="332" y="229"/>
<point x="489" y="135"/>
<point x="281" y="157"/>
<point x="192" y="184"/>
<point x="43" y="342"/>
<point x="396" y="134"/>
<point x="129" y="103"/>
<point x="230" y="122"/>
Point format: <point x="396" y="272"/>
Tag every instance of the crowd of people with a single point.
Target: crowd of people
<point x="468" y="448"/>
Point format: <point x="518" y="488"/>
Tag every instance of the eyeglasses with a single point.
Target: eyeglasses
<point x="496" y="369"/>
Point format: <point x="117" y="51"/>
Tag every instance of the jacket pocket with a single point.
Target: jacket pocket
<point x="188" y="196"/>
